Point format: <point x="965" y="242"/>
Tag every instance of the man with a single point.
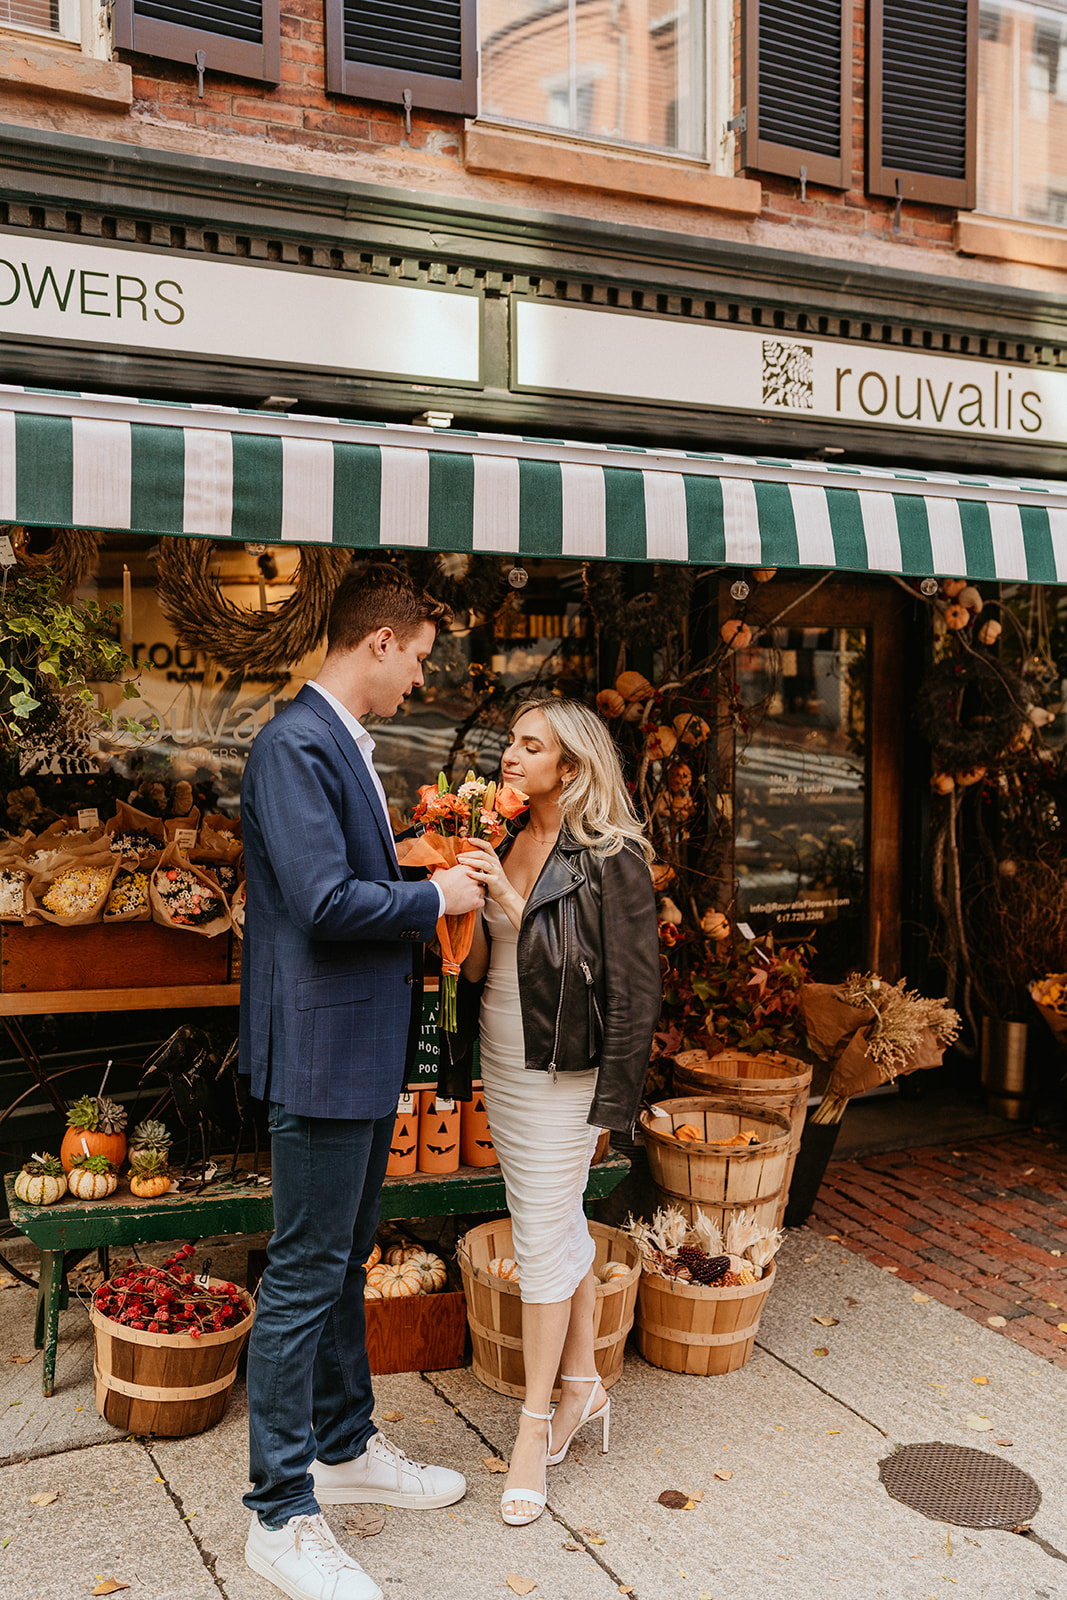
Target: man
<point x="327" y="998"/>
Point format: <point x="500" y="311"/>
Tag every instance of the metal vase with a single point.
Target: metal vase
<point x="1004" y="1066"/>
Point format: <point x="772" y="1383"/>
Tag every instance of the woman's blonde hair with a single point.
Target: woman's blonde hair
<point x="595" y="806"/>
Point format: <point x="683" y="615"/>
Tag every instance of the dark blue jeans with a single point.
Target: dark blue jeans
<point x="309" y="1384"/>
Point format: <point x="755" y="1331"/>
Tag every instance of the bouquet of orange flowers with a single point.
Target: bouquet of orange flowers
<point x="478" y="809"/>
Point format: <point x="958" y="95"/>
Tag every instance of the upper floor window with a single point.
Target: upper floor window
<point x="60" y="18"/>
<point x="1022" y="110"/>
<point x="629" y="72"/>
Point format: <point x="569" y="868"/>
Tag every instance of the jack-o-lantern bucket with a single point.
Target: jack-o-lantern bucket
<point x="404" y="1150"/>
<point x="476" y="1146"/>
<point x="438" y="1133"/>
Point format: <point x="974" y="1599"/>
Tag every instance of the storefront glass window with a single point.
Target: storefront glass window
<point x="630" y="72"/>
<point x="1022" y="110"/>
<point x="800" y="791"/>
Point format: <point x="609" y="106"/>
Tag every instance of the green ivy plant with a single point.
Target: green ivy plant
<point x="50" y="653"/>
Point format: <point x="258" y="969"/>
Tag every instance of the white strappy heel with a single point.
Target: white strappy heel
<point x="601" y="1415"/>
<point x="513" y="1496"/>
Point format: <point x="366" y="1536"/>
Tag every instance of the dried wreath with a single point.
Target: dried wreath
<point x="969" y="709"/>
<point x="69" y="558"/>
<point x="645" y="618"/>
<point x="239" y="640"/>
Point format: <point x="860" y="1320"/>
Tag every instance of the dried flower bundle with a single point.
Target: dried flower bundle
<point x="188" y="901"/>
<point x="12" y="893"/>
<point x="900" y="1017"/>
<point x="129" y="892"/>
<point x="75" y="891"/>
<point x="674" y="1248"/>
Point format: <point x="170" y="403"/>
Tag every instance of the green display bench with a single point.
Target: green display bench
<point x="67" y="1231"/>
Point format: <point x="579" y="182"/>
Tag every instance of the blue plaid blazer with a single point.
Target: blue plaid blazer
<point x="330" y="929"/>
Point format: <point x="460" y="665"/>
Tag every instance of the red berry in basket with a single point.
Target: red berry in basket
<point x="194" y="1333"/>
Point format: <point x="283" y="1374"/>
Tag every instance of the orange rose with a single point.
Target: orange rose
<point x="510" y="802"/>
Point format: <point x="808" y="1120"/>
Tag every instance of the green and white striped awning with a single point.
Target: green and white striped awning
<point x="116" y="464"/>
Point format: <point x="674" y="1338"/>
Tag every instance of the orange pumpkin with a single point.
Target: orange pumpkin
<point x="736" y="634"/>
<point x="504" y="1267"/>
<point x="112" y="1145"/>
<point x="147" y="1188"/>
<point x="374" y="1257"/>
<point x="403" y="1279"/>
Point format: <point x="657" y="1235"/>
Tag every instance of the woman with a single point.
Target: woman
<point x="569" y="951"/>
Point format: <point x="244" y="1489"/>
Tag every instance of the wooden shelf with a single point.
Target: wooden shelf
<point x="149" y="998"/>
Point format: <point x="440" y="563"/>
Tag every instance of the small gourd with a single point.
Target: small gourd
<point x="430" y="1268"/>
<point x="42" y="1181"/>
<point x="613" y="1270"/>
<point x="400" y="1280"/>
<point x="371" y="1293"/>
<point x="397" y="1253"/>
<point x="92" y="1178"/>
<point x="504" y="1267"/>
<point x="149" y="1174"/>
<point x="374" y="1258"/>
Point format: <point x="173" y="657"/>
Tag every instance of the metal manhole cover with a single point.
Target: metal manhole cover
<point x="967" y="1488"/>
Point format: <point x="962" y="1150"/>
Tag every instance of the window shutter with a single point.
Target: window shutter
<point x="237" y="36"/>
<point x="922" y="100"/>
<point x="797" y="76"/>
<point x="415" y="53"/>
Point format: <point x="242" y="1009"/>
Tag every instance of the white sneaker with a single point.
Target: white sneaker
<point x="303" y="1559"/>
<point x="384" y="1476"/>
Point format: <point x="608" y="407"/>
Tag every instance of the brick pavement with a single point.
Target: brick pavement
<point x="981" y="1227"/>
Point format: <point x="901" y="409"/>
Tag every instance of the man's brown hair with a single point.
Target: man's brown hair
<point x="377" y="595"/>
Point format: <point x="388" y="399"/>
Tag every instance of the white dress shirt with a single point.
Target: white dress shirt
<point x="365" y="745"/>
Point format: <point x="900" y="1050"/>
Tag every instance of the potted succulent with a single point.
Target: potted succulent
<point x="42" y="1181"/>
<point x="92" y="1178"/>
<point x="95" y="1126"/>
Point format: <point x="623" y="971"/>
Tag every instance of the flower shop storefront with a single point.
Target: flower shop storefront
<point x="748" y="627"/>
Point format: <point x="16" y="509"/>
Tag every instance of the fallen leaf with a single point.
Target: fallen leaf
<point x="849" y="1301"/>
<point x="723" y="1474"/>
<point x="429" y="1419"/>
<point x="696" y="1495"/>
<point x="997" y="1322"/>
<point x="836" y="1237"/>
<point x="626" y="1588"/>
<point x="809" y="1259"/>
<point x="825" y="1322"/>
<point x="599" y="1539"/>
<point x="921" y="1299"/>
<point x="589" y="1533"/>
<point x="46" y="1497"/>
<point x="820" y="1350"/>
<point x="392" y="1416"/>
<point x="705" y="1594"/>
<point x="832" y="1431"/>
<point x="110" y="1586"/>
<point x="569" y="1544"/>
<point x="520" y="1585"/>
<point x="20" y="1360"/>
<point x="979" y="1380"/>
<point x="891" y="1269"/>
<point x="1062" y="1326"/>
<point x="189" y="1517"/>
<point x="494" y="1464"/>
<point x="365" y="1522"/>
<point x="979" y="1424"/>
<point x="1007" y="1443"/>
<point x="674" y="1499"/>
<point x="1055" y="1252"/>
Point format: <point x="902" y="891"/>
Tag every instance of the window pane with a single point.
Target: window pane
<point x="1022" y="111"/>
<point x="43" y="14"/>
<point x="628" y="71"/>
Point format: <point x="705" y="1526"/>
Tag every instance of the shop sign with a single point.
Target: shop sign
<point x="559" y="349"/>
<point x="83" y="293"/>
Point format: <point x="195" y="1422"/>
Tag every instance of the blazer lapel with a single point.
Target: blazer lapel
<point x="356" y="765"/>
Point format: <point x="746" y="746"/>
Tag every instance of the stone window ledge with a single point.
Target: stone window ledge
<point x="55" y="69"/>
<point x="1005" y="239"/>
<point x="524" y="156"/>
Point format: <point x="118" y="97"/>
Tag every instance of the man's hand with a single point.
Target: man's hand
<point x="462" y="892"/>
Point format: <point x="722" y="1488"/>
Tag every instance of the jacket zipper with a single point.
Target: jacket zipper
<point x="562" y="986"/>
<point x="592" y="991"/>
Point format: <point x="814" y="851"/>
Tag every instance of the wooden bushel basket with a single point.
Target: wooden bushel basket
<point x="721" y="1180"/>
<point x="766" y="1081"/>
<point x="687" y="1327"/>
<point x="164" y="1383"/>
<point x="494" y="1306"/>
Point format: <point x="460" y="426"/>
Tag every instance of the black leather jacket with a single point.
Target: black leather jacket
<point x="589" y="974"/>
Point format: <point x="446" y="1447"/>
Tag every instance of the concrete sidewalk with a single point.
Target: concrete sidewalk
<point x="803" y="1514"/>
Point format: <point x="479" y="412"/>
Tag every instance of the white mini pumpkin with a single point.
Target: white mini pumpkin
<point x="504" y="1267"/>
<point x="430" y="1268"/>
<point x="399" y="1280"/>
<point x="88" y="1185"/>
<point x="41" y="1182"/>
<point x="613" y="1270"/>
<point x="371" y="1293"/>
